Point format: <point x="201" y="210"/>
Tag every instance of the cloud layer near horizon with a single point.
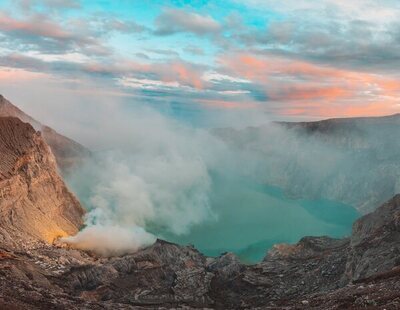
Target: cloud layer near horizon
<point x="293" y="59"/>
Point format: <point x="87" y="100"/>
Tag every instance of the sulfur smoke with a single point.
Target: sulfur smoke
<point x="152" y="175"/>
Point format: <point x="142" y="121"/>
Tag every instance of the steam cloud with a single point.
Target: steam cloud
<point x="152" y="175"/>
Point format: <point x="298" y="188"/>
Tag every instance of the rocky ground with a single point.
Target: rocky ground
<point x="317" y="273"/>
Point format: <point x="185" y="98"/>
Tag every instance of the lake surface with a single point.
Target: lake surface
<point x="251" y="218"/>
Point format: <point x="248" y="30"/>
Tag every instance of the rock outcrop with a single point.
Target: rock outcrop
<point x="34" y="201"/>
<point x="69" y="154"/>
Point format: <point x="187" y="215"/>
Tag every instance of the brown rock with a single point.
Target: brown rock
<point x="34" y="200"/>
<point x="67" y="152"/>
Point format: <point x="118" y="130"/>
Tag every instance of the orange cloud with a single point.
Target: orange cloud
<point x="36" y="25"/>
<point x="369" y="109"/>
<point x="305" y="92"/>
<point x="187" y="76"/>
<point x="15" y="75"/>
<point x="300" y="88"/>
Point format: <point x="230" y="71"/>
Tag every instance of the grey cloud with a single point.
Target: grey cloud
<point x="164" y="52"/>
<point x="173" y="21"/>
<point x="354" y="44"/>
<point x="29" y="5"/>
<point x="40" y="33"/>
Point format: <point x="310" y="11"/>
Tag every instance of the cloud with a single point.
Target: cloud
<point x="360" y="34"/>
<point x="173" y="21"/>
<point x="29" y="5"/>
<point x="280" y="57"/>
<point x="303" y="87"/>
<point x="40" y="33"/>
<point x="109" y="23"/>
<point x="368" y="10"/>
<point x="13" y="75"/>
<point x="163" y="52"/>
<point x="167" y="73"/>
<point x="147" y="84"/>
<point x="37" y="25"/>
<point x="218" y="77"/>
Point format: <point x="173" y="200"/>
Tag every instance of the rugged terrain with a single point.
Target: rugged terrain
<point x="68" y="153"/>
<point x="39" y="272"/>
<point x="317" y="273"/>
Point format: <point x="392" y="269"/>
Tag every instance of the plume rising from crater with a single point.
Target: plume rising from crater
<point x="155" y="174"/>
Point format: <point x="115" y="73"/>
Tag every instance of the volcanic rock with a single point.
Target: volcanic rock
<point x="34" y="201"/>
<point x="68" y="153"/>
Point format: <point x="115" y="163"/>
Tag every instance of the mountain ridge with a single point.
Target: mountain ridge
<point x="69" y="153"/>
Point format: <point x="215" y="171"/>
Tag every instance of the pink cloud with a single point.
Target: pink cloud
<point x="17" y="75"/>
<point x="299" y="87"/>
<point x="34" y="25"/>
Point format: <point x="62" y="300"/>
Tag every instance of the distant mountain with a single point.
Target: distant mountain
<point x="352" y="160"/>
<point x="330" y="125"/>
<point x="68" y="153"/>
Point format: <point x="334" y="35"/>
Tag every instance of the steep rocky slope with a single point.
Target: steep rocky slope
<point x="34" y="201"/>
<point x="68" y="153"/>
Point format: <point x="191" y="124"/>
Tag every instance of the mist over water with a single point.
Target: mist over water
<point x="223" y="189"/>
<point x="251" y="218"/>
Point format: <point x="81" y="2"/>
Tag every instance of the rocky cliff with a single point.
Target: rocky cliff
<point x="34" y="201"/>
<point x="68" y="153"/>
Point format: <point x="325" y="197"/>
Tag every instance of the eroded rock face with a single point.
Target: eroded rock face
<point x="34" y="201"/>
<point x="68" y="153"/>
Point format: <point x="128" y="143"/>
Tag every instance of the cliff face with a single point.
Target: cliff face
<point x="34" y="201"/>
<point x="67" y="152"/>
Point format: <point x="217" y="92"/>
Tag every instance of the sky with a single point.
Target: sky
<point x="287" y="59"/>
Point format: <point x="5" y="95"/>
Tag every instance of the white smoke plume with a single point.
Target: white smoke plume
<point x="151" y="173"/>
<point x="110" y="240"/>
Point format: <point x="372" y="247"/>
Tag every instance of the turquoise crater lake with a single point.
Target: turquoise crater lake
<point x="251" y="218"/>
